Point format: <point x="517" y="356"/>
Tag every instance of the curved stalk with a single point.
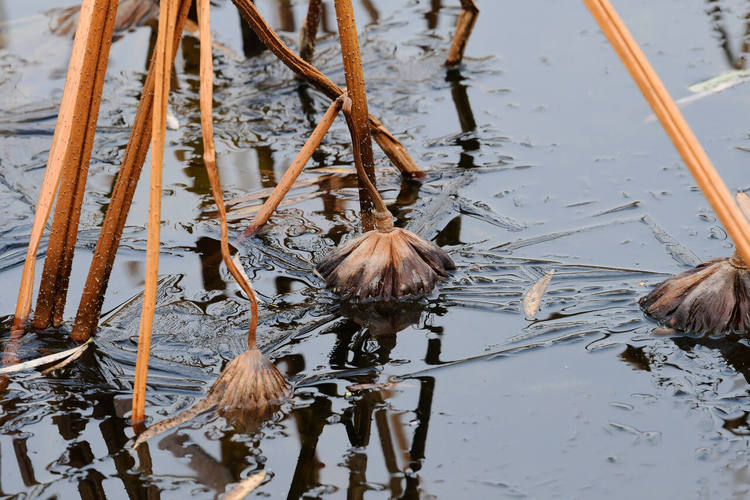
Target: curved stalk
<point x="209" y="159"/>
<point x="363" y="177"/>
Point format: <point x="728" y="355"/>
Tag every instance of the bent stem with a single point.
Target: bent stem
<point x="358" y="163"/>
<point x="163" y="49"/>
<point x="295" y="169"/>
<point x="387" y="141"/>
<point x="209" y="159"/>
<point x="674" y="124"/>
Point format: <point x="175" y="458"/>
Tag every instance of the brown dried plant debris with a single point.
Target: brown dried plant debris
<point x="711" y="298"/>
<point x="385" y="264"/>
<point x="249" y="385"/>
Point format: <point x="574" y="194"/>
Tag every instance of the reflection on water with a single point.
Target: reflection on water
<point x="447" y="396"/>
<point x="467" y="141"/>
<point x="718" y="23"/>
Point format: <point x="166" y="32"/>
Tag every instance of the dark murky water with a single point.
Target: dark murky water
<point x="539" y="156"/>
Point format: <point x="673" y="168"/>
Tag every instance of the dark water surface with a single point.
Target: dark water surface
<point x="539" y="156"/>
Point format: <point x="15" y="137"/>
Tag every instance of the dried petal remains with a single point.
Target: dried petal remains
<point x="712" y="298"/>
<point x="385" y="264"/>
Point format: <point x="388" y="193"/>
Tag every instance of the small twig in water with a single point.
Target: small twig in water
<point x="243" y="489"/>
<point x="70" y="354"/>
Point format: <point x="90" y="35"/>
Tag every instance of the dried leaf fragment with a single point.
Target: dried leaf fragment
<point x="243" y="489"/>
<point x="534" y="296"/>
<point x="45" y="360"/>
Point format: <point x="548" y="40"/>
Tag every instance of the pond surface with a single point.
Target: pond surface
<point x="540" y="156"/>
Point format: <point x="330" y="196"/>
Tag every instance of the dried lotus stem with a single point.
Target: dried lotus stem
<point x="87" y="317"/>
<point x="250" y="382"/>
<point x="387" y="141"/>
<point x="464" y="27"/>
<point x="69" y="131"/>
<point x="713" y="297"/>
<point x="674" y="124"/>
<point x="162" y="53"/>
<point x="355" y="86"/>
<point x="209" y="159"/>
<point x="53" y="289"/>
<point x="295" y="169"/>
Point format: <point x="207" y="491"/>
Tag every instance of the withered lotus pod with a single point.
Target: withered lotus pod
<point x="387" y="262"/>
<point x="246" y="392"/>
<point x="248" y="382"/>
<point x="712" y="298"/>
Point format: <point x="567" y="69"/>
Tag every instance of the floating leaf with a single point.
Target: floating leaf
<point x="710" y="87"/>
<point x="534" y="296"/>
<point x="721" y="82"/>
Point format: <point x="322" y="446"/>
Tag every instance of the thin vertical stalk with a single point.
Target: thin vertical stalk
<point x="209" y="159"/>
<point x="167" y="20"/>
<point x="64" y="233"/>
<point x="674" y="124"/>
<point x="91" y="23"/>
<point x="90" y="306"/>
<point x="464" y="26"/>
<point x="355" y="84"/>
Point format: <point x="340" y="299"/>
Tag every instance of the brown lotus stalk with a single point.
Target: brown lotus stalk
<point x="89" y="309"/>
<point x="250" y="382"/>
<point x="162" y="53"/>
<point x="295" y="169"/>
<point x="464" y="27"/>
<point x="387" y="142"/>
<point x="355" y="87"/>
<point x="712" y="297"/>
<point x="53" y="289"/>
<point x="386" y="262"/>
<point x="73" y="133"/>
